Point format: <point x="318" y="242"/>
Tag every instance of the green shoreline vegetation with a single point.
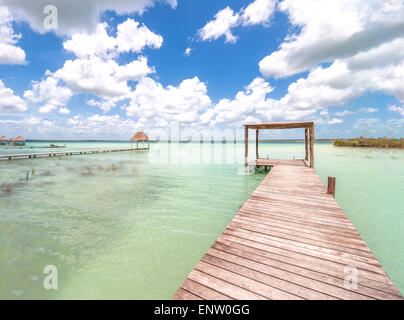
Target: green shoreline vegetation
<point x="183" y="141"/>
<point x="384" y="142"/>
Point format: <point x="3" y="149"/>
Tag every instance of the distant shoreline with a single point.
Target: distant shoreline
<point x="185" y="141"/>
<point x="374" y="143"/>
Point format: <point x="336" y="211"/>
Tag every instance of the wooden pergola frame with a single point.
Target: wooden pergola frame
<point x="309" y="131"/>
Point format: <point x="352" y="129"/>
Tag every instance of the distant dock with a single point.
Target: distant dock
<point x="64" y="153"/>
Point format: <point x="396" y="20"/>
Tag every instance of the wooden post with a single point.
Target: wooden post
<point x="306" y="140"/>
<point x="246" y="147"/>
<point x="312" y="146"/>
<point x="331" y="186"/>
<point x="256" y="144"/>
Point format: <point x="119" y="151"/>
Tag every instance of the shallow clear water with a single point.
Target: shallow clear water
<point x="132" y="225"/>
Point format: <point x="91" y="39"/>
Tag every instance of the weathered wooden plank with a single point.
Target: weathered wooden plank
<point x="277" y="262"/>
<point x="252" y="271"/>
<point x="295" y="231"/>
<point x="311" y="251"/>
<point x="226" y="288"/>
<point x="280" y="125"/>
<point x="290" y="240"/>
<point x="297" y="213"/>
<point x="329" y="268"/>
<point x="322" y="243"/>
<point x="273" y="162"/>
<point x="254" y="286"/>
<point x="182" y="294"/>
<point x="202" y="291"/>
<point x="305" y="226"/>
<point x="306" y="287"/>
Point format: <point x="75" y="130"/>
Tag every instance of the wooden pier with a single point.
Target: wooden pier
<point x="290" y="240"/>
<point x="64" y="153"/>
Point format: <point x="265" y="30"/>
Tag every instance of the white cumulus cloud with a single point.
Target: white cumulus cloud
<point x="130" y="37"/>
<point x="221" y="26"/>
<point x="399" y="110"/>
<point x="330" y="30"/>
<point x="64" y="111"/>
<point x="133" y="37"/>
<point x="75" y="16"/>
<point x="9" y="52"/>
<point x="246" y="103"/>
<point x="96" y="69"/>
<point x="335" y="121"/>
<point x="47" y="108"/>
<point x="104" y="78"/>
<point x="101" y="125"/>
<point x="152" y="103"/>
<point x="257" y="12"/>
<point x="9" y="102"/>
<point x="188" y="51"/>
<point x="48" y="91"/>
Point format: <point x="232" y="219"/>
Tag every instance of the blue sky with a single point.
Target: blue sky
<point x="109" y="70"/>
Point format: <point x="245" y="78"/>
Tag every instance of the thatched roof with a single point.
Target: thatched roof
<point x="140" y="136"/>
<point x="2" y="138"/>
<point x="19" y="139"/>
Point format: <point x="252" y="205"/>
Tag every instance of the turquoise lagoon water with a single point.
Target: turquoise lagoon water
<point x="132" y="225"/>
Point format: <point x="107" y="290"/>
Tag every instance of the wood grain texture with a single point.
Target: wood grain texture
<point x="311" y="146"/>
<point x="246" y="147"/>
<point x="331" y="186"/>
<point x="280" y="125"/>
<point x="306" y="143"/>
<point x="290" y="240"/>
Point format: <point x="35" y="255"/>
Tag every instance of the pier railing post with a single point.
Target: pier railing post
<point x="246" y="147"/>
<point x="331" y="186"/>
<point x="256" y="144"/>
<point x="306" y="140"/>
<point x="312" y="146"/>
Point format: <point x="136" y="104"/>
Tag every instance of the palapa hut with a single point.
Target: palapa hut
<point x="19" y="141"/>
<point x="3" y="141"/>
<point x="140" y="136"/>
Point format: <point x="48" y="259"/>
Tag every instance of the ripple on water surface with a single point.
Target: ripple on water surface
<point x="118" y="226"/>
